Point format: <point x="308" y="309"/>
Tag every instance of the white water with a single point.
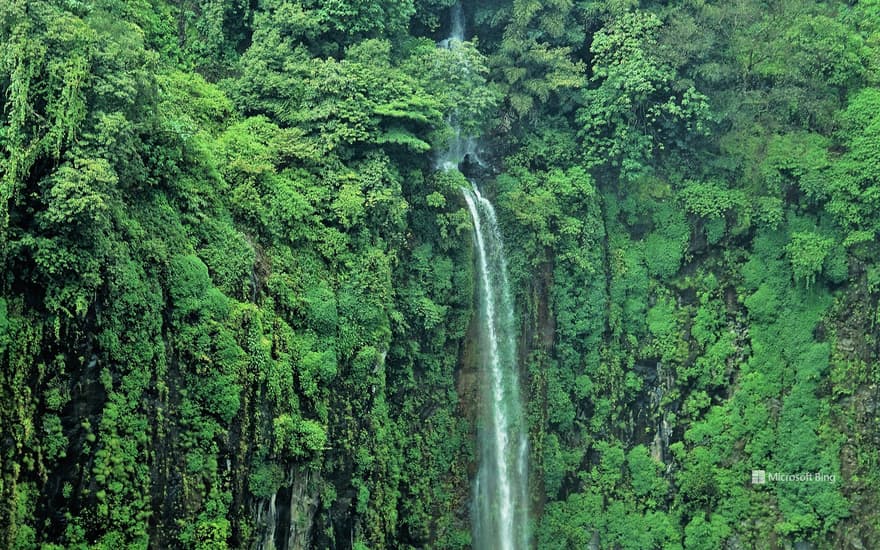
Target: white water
<point x="500" y="505"/>
<point x="500" y="498"/>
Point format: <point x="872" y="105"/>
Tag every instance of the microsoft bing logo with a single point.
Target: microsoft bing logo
<point x="761" y="477"/>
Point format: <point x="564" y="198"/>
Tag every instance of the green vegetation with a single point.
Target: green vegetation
<point x="233" y="276"/>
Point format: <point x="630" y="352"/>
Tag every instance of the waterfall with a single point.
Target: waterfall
<point x="500" y="499"/>
<point x="499" y="504"/>
<point x="457" y="22"/>
<point x="460" y="146"/>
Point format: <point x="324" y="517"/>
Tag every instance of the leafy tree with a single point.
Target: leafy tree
<point x="632" y="110"/>
<point x="807" y="252"/>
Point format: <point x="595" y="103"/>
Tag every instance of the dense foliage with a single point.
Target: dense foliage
<point x="237" y="296"/>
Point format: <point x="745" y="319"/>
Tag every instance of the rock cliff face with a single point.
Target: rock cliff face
<point x="285" y="521"/>
<point x="855" y="396"/>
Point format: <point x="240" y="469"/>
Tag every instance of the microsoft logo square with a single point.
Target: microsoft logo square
<point x="759" y="477"/>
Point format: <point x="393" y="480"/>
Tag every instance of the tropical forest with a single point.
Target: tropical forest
<point x="440" y="274"/>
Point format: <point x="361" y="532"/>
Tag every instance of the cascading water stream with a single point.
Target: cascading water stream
<point x="500" y="511"/>
<point x="500" y="493"/>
